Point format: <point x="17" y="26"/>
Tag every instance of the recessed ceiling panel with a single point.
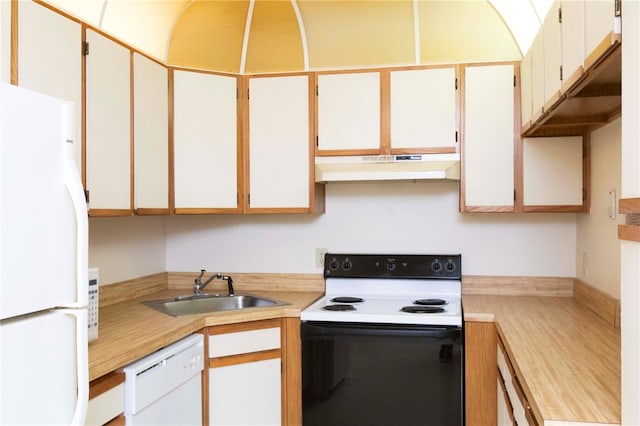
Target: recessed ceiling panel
<point x="209" y="35"/>
<point x="463" y="31"/>
<point x="145" y="26"/>
<point x="346" y="34"/>
<point x="89" y="11"/>
<point x="275" y="42"/>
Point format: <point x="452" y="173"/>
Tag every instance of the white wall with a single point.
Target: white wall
<point x="126" y="247"/>
<point x="597" y="234"/>
<point x="5" y="41"/>
<point x="630" y="251"/>
<point x="377" y="217"/>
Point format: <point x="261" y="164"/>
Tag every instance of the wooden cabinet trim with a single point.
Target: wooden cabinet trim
<point x="244" y="326"/>
<point x="151" y="212"/>
<point x="630" y="231"/>
<point x="225" y="361"/>
<point x="110" y="212"/>
<point x="292" y="372"/>
<point x="197" y="211"/>
<point x="480" y="373"/>
<point x="629" y="205"/>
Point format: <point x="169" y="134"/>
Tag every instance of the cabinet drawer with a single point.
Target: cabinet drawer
<point x="520" y="406"/>
<point x="242" y="342"/>
<point x="106" y="399"/>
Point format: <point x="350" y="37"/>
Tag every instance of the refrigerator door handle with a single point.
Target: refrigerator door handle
<point x="76" y="192"/>
<point x="82" y="363"/>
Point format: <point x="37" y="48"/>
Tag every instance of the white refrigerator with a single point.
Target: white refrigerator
<point x="43" y="263"/>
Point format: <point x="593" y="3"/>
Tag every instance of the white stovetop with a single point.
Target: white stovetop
<point x="384" y="299"/>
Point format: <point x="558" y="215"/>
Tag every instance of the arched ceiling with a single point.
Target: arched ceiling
<point x="262" y="36"/>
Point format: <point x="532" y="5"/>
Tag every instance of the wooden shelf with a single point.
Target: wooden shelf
<point x="589" y="99"/>
<point x="630" y="231"/>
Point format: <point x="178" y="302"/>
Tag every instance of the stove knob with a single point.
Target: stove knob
<point x="450" y="266"/>
<point x="391" y="264"/>
<point x="334" y="264"/>
<point x="436" y="266"/>
<point x="346" y="265"/>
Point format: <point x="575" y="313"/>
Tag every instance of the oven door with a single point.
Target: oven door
<point x="382" y="374"/>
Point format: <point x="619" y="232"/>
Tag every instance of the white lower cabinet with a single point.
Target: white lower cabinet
<point x="245" y="374"/>
<point x="106" y="401"/>
<point x="245" y="394"/>
<point x="553" y="173"/>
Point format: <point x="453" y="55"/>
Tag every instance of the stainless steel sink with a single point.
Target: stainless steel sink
<point x="205" y="303"/>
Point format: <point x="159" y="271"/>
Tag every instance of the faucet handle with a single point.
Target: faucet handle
<point x="199" y="279"/>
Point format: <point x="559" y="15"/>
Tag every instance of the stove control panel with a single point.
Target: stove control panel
<point x="431" y="266"/>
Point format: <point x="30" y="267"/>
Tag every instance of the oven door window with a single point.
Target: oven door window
<point x="373" y="374"/>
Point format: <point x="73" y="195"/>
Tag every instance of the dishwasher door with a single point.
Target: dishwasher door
<point x="165" y="388"/>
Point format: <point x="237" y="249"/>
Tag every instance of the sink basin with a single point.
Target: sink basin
<point x="205" y="303"/>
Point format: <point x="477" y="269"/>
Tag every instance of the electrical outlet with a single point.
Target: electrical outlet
<point x="320" y="257"/>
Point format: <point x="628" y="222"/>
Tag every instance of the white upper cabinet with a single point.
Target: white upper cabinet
<point x="488" y="154"/>
<point x="349" y="111"/>
<point x="49" y="59"/>
<point x="552" y="53"/>
<point x="572" y="29"/>
<point x="279" y="142"/>
<point x="599" y="21"/>
<point x="206" y="156"/>
<point x="552" y="172"/>
<point x="151" y="130"/>
<point x="526" y="101"/>
<point x="537" y="76"/>
<point x="108" y="121"/>
<point x="423" y="109"/>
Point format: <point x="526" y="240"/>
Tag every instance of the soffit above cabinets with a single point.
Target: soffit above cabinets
<point x="264" y="36"/>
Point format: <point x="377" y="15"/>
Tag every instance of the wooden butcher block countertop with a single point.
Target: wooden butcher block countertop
<point x="129" y="330"/>
<point x="568" y="357"/>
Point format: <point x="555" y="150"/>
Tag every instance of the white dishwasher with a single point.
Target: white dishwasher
<point x="165" y="388"/>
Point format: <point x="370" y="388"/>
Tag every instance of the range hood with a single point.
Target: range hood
<point x="356" y="168"/>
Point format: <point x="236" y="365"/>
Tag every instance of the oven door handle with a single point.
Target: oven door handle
<point x="320" y="328"/>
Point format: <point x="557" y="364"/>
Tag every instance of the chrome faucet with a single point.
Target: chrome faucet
<point x="198" y="285"/>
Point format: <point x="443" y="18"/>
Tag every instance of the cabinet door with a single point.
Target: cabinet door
<point x="526" y="77"/>
<point x="246" y="394"/>
<point x="599" y="18"/>
<point x="552" y="53"/>
<point x="206" y="156"/>
<point x="573" y="50"/>
<point x="279" y="142"/>
<point x="488" y="180"/>
<point x="552" y="173"/>
<point x="108" y="121"/>
<point x="423" y="110"/>
<point x="349" y="112"/>
<point x="537" y="76"/>
<point x="150" y="138"/>
<point x="49" y="59"/>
